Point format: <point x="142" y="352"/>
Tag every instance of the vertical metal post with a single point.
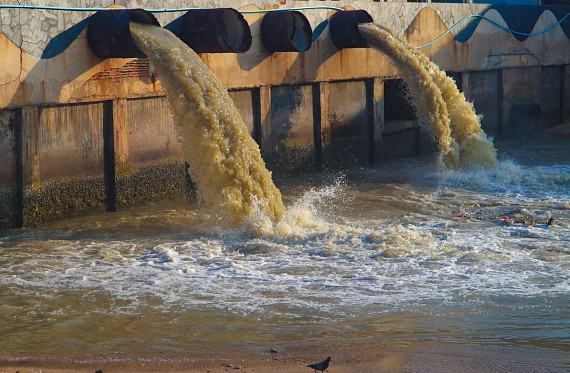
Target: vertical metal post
<point x="109" y="157"/>
<point x="325" y="128"/>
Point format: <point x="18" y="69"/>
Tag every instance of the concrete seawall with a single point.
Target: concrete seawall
<point x="80" y="135"/>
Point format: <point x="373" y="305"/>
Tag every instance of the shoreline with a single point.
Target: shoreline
<point x="362" y="356"/>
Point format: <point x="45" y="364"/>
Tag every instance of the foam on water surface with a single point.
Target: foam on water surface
<point x="400" y="249"/>
<point x="382" y="251"/>
<point x="323" y="261"/>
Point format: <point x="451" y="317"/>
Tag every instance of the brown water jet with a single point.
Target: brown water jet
<point x="457" y="125"/>
<point x="225" y="162"/>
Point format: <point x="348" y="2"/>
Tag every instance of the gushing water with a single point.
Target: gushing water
<point x="225" y="162"/>
<point x="462" y="142"/>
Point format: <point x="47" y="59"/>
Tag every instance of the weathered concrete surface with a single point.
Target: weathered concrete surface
<point x="521" y="91"/>
<point x="290" y="145"/>
<point x="484" y="89"/>
<point x="63" y="74"/>
<point x="244" y="102"/>
<point x="10" y="173"/>
<point x="346" y="140"/>
<point x="62" y="162"/>
<point x="149" y="164"/>
<point x="99" y="132"/>
<point x="67" y="141"/>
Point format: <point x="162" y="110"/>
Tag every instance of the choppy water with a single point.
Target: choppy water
<point x="399" y="251"/>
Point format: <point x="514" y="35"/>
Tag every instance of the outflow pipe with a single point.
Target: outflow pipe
<point x="109" y="35"/>
<point x="286" y="31"/>
<point x="220" y="30"/>
<point x="344" y="28"/>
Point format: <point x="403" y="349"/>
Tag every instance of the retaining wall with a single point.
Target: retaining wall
<point x="80" y="135"/>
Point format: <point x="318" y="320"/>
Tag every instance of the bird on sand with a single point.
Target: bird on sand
<point x="322" y="366"/>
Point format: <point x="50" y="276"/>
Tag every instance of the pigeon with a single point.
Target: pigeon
<point x="322" y="366"/>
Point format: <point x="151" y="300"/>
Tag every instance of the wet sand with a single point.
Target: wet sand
<point x="363" y="356"/>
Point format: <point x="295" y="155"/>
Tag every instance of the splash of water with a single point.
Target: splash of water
<point x="225" y="162"/>
<point x="462" y="142"/>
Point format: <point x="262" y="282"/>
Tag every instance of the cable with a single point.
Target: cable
<point x="493" y="23"/>
<point x="170" y="10"/>
<point x="298" y="8"/>
<point x="163" y="10"/>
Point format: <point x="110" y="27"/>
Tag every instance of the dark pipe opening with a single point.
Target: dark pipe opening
<point x="344" y="28"/>
<point x="286" y="31"/>
<point x="220" y="30"/>
<point x="109" y="35"/>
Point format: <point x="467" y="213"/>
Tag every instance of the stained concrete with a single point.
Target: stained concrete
<point x="346" y="141"/>
<point x="80" y="134"/>
<point x="10" y="172"/>
<point x="484" y="89"/>
<point x="291" y="146"/>
<point x="521" y="92"/>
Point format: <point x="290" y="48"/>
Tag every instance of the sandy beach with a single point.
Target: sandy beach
<point x="363" y="356"/>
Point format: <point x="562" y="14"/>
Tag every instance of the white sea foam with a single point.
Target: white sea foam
<point x="508" y="176"/>
<point x="321" y="264"/>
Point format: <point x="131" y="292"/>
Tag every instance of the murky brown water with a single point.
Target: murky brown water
<point x="399" y="252"/>
<point x="464" y="259"/>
